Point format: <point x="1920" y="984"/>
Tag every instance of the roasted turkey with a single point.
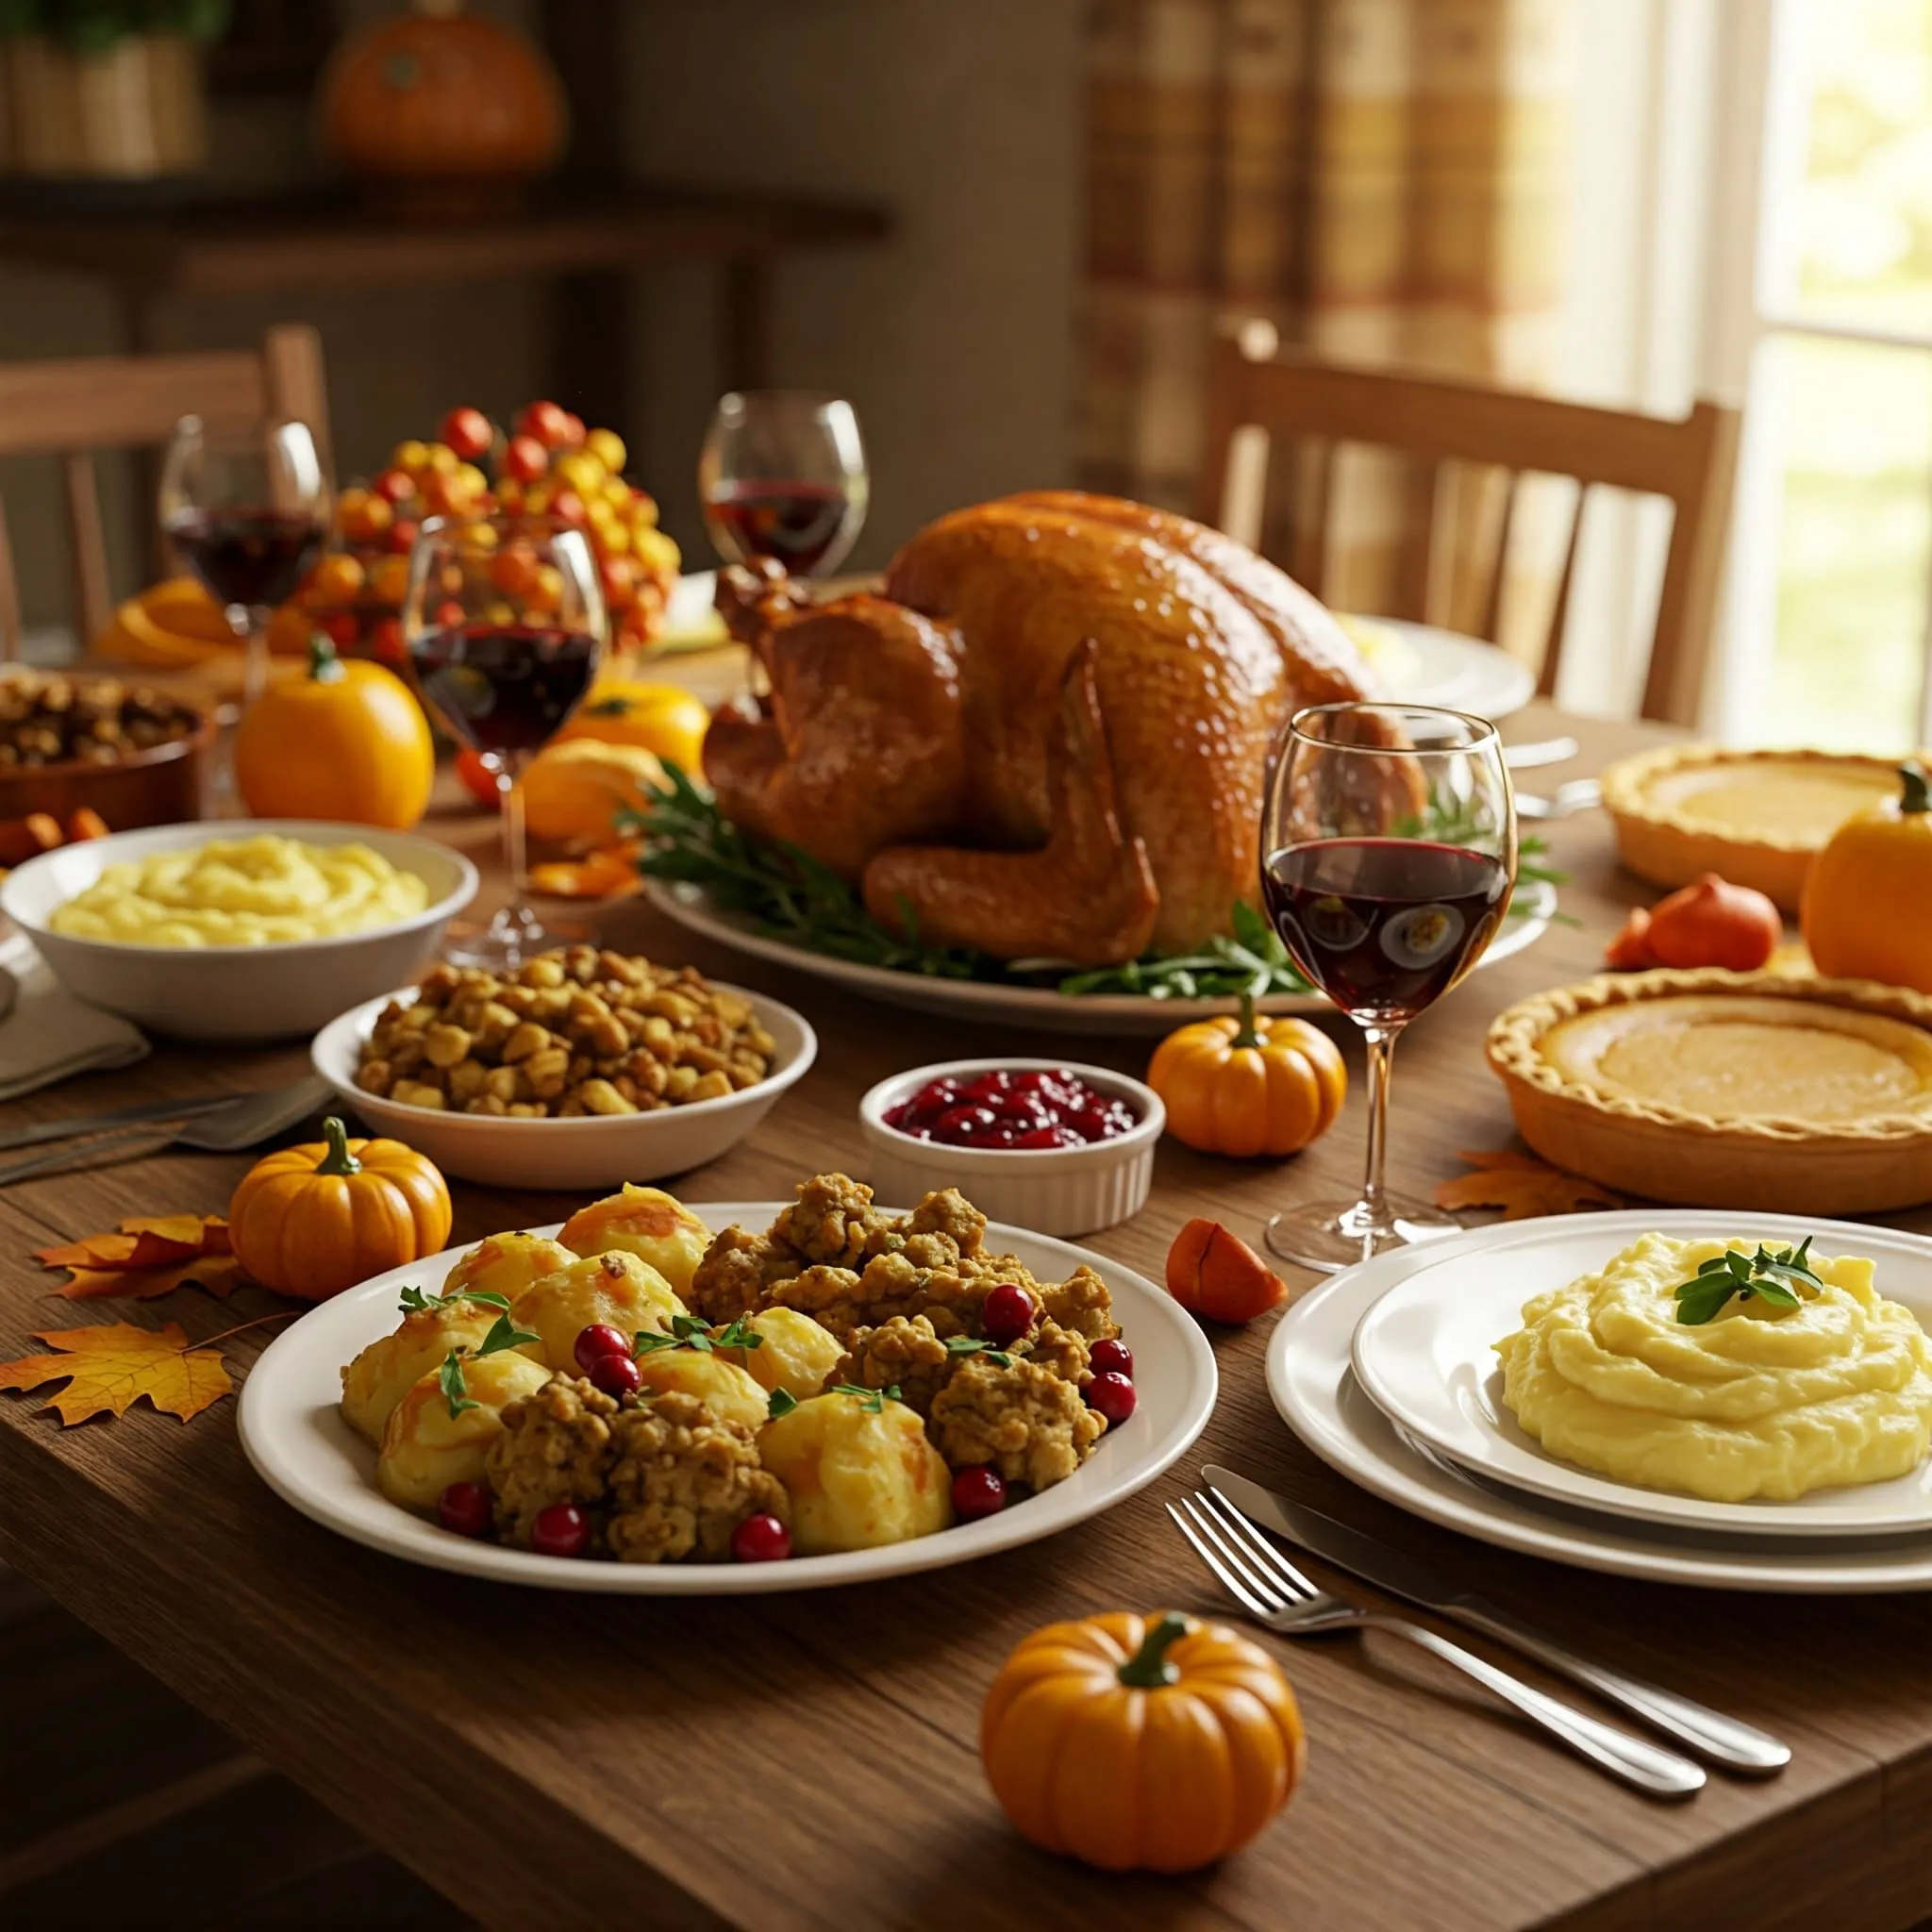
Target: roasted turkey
<point x="1046" y="735"/>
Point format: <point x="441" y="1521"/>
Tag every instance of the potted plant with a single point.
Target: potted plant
<point x="105" y="89"/>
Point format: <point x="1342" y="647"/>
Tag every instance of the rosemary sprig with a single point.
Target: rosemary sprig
<point x="1781" y="1277"/>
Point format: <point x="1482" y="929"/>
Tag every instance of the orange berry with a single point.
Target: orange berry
<point x="546" y="589"/>
<point x="411" y="454"/>
<point x="608" y="447"/>
<point x="335" y="579"/>
<point x="441" y="460"/>
<point x="389" y="580"/>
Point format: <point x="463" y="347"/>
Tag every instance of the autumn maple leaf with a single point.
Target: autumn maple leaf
<point x="108" y="1370"/>
<point x="151" y="1256"/>
<point x="1520" y="1185"/>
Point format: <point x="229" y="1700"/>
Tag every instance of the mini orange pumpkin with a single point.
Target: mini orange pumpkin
<point x="1249" y="1086"/>
<point x="348" y="740"/>
<point x="314" y="1220"/>
<point x="1868" y="897"/>
<point x="1141" y="1743"/>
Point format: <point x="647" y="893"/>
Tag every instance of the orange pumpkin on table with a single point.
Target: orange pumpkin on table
<point x="314" y="1220"/>
<point x="1868" y="898"/>
<point x="1249" y="1086"/>
<point x="1141" y="1743"/>
<point x="347" y="740"/>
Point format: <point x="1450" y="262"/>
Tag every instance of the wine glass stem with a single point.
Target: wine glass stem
<point x="252" y="627"/>
<point x="516" y="905"/>
<point x="1381" y="1051"/>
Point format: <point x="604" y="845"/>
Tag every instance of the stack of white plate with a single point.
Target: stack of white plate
<point x="1387" y="1372"/>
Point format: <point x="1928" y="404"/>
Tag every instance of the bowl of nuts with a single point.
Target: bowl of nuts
<point x="581" y="1067"/>
<point x="69" y="744"/>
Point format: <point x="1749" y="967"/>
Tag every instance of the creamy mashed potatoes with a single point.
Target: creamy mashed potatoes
<point x="256" y="891"/>
<point x="1761" y="1401"/>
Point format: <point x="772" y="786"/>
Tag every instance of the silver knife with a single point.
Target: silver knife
<point x="1724" y="1740"/>
<point x="117" y="1117"/>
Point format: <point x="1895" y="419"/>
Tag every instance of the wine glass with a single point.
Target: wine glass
<point x="783" y="476"/>
<point x="1388" y="854"/>
<point x="249" y="508"/>
<point x="504" y="624"/>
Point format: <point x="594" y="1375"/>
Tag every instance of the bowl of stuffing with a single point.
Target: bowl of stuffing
<point x="582" y="1067"/>
<point x="1049" y="1144"/>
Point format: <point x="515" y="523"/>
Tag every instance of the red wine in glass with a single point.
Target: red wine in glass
<point x="795" y="522"/>
<point x="1384" y="927"/>
<point x="504" y="687"/>
<point x="250" y="558"/>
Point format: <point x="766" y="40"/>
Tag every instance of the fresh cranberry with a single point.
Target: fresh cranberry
<point x="978" y="1491"/>
<point x="1112" y="1394"/>
<point x="1006" y="1313"/>
<point x="1038" y="1138"/>
<point x="958" y="1125"/>
<point x="465" y="1509"/>
<point x="618" y="1375"/>
<point x="1111" y="1358"/>
<point x="561" y="1530"/>
<point x="761" y="1539"/>
<point x="594" y="1343"/>
<point x="1089" y="1123"/>
<point x="987" y="1087"/>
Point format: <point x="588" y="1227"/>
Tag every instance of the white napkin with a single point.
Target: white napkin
<point x="46" y="1034"/>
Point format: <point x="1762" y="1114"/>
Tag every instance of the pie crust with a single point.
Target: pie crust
<point x="1639" y="1082"/>
<point x="1662" y="835"/>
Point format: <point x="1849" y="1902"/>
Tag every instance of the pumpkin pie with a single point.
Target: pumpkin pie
<point x="1757" y="817"/>
<point x="1725" y="1089"/>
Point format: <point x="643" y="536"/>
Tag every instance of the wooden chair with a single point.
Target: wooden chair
<point x="1297" y="399"/>
<point x="74" y="409"/>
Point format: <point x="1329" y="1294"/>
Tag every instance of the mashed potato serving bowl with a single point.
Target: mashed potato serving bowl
<point x="239" y="992"/>
<point x="294" y="1432"/>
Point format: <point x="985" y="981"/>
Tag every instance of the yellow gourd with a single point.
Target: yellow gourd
<point x="348" y="740"/>
<point x="1866" y="911"/>
<point x="574" y="789"/>
<point x="1249" y="1086"/>
<point x="661" y="718"/>
<point x="1141" y="1743"/>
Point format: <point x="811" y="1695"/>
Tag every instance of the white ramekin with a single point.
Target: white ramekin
<point x="1058" y="1191"/>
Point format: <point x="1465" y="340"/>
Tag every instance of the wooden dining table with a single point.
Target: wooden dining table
<point x="554" y="1759"/>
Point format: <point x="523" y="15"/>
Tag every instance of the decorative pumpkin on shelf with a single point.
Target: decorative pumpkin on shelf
<point x="1249" y="1086"/>
<point x="441" y="98"/>
<point x="347" y="741"/>
<point x="1868" y="902"/>
<point x="1141" y="1743"/>
<point x="1710" y="922"/>
<point x="312" y="1221"/>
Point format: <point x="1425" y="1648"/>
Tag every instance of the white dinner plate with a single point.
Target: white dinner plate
<point x="1313" y="1386"/>
<point x="1034" y="1008"/>
<point x="294" y="1435"/>
<point x="1424" y="1354"/>
<point x="1428" y="665"/>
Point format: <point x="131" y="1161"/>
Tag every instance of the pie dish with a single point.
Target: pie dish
<point x="1757" y="817"/>
<point x="1726" y="1089"/>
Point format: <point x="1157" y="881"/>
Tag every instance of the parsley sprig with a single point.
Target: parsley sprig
<point x="871" y="1400"/>
<point x="504" y="1333"/>
<point x="791" y="896"/>
<point x="693" y="1332"/>
<point x="968" y="1344"/>
<point x="415" y="1301"/>
<point x="1780" y="1277"/>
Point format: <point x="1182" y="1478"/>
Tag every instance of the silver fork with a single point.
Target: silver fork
<point x="1281" y="1599"/>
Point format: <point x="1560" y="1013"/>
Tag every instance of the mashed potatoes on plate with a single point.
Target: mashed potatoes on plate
<point x="1760" y="1401"/>
<point x="257" y="891"/>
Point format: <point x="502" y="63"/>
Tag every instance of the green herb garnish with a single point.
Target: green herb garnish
<point x="967" y="1345"/>
<point x="789" y="895"/>
<point x="782" y="1403"/>
<point x="1781" y="1277"/>
<point x="688" y="1331"/>
<point x="415" y="1301"/>
<point x="739" y="1334"/>
<point x="871" y="1400"/>
<point x="504" y="1333"/>
<point x="455" y="1389"/>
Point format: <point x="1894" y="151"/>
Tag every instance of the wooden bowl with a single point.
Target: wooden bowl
<point x="161" y="785"/>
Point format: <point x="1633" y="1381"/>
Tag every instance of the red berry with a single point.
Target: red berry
<point x="761" y="1539"/>
<point x="525" y="459"/>
<point x="1111" y="1358"/>
<point x="468" y="433"/>
<point x="618" y="1375"/>
<point x="397" y="485"/>
<point x="567" y="507"/>
<point x="1006" y="1313"/>
<point x="561" y="1530"/>
<point x="1112" y="1394"/>
<point x="465" y="1509"/>
<point x="600" y="1338"/>
<point x="978" y="1491"/>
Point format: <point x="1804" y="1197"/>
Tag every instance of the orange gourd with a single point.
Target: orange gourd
<point x="1710" y="922"/>
<point x="314" y="1220"/>
<point x="439" y="95"/>
<point x="661" y="718"/>
<point x="1249" y="1086"/>
<point x="576" y="792"/>
<point x="1141" y="1743"/>
<point x="347" y="740"/>
<point x="1867" y="912"/>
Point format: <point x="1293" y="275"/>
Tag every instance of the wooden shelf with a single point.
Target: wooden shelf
<point x="308" y="241"/>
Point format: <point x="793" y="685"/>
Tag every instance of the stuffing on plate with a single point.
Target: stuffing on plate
<point x="840" y="1380"/>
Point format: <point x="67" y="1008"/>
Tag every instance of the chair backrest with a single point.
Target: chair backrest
<point x="74" y="409"/>
<point x="1300" y="400"/>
